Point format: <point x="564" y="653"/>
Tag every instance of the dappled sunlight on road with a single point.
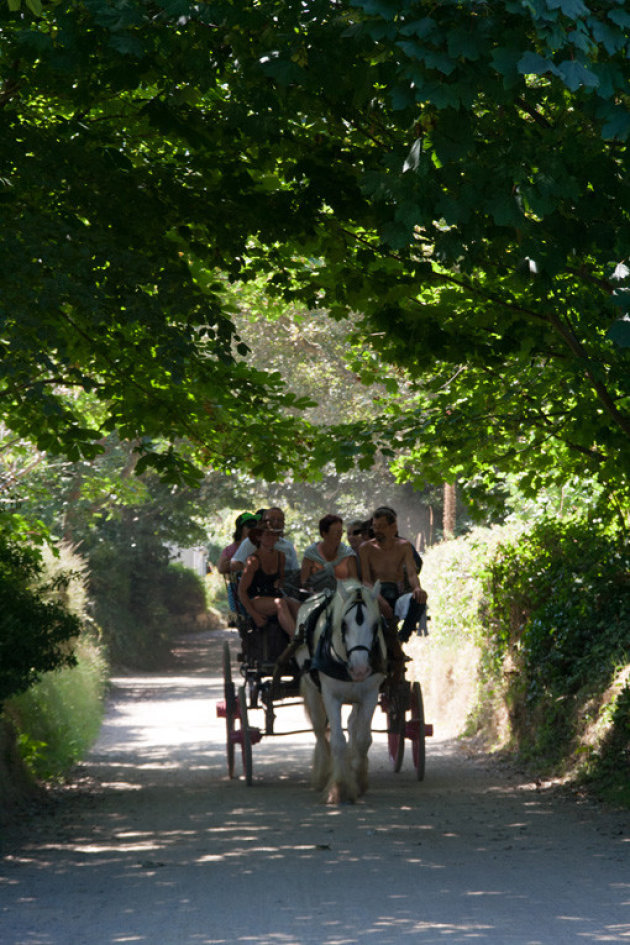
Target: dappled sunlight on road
<point x="160" y="848"/>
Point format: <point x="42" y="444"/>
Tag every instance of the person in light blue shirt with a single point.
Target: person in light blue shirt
<point x="327" y="560"/>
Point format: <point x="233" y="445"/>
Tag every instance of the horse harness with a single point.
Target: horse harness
<point x="326" y="659"/>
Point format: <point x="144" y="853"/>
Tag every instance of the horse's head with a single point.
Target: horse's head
<point x="358" y="623"/>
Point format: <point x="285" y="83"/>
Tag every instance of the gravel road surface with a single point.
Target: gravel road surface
<point x="153" y="844"/>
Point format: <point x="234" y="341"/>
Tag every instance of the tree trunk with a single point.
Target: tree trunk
<point x="449" y="520"/>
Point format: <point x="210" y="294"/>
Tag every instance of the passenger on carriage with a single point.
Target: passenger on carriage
<point x="370" y="534"/>
<point x="274" y="519"/>
<point x="358" y="532"/>
<point x="327" y="560"/>
<point x="242" y="525"/>
<point x="389" y="559"/>
<point x="260" y="587"/>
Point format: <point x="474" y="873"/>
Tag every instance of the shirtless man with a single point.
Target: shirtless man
<point x="389" y="559"/>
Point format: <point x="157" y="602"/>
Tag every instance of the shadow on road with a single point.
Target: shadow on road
<point x="153" y="843"/>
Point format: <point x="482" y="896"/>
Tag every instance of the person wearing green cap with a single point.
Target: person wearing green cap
<point x="243" y="523"/>
<point x="274" y="519"/>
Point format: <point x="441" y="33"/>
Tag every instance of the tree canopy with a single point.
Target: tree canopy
<point x="105" y="194"/>
<point x="457" y="173"/>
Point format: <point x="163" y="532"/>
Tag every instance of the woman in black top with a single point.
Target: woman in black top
<point x="259" y="589"/>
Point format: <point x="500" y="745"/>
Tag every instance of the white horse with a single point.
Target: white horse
<point x="344" y="659"/>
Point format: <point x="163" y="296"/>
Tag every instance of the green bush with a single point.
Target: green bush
<point x="183" y="591"/>
<point x="36" y="628"/>
<point x="59" y="717"/>
<point x="216" y="593"/>
<point x="609" y="768"/>
<point x="454" y="573"/>
<point x="128" y="605"/>
<point x="141" y="601"/>
<point x="539" y="614"/>
<point x="557" y="615"/>
<point x="461" y="693"/>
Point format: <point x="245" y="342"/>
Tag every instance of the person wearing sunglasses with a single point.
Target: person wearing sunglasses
<point x="357" y="532"/>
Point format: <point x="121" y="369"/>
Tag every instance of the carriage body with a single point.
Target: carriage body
<point x="275" y="673"/>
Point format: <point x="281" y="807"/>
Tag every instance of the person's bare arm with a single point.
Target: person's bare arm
<point x="414" y="583"/>
<point x="305" y="571"/>
<point x="223" y="564"/>
<point x="243" y="587"/>
<point x="366" y="568"/>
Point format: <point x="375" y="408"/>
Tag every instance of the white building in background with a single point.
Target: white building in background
<point x="194" y="558"/>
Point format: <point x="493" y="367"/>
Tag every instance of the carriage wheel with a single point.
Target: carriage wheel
<point x="395" y="733"/>
<point x="417" y="730"/>
<point x="231" y="708"/>
<point x="246" y="739"/>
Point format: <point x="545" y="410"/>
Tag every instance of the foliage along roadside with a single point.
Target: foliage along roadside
<point x="58" y="718"/>
<point x="53" y="682"/>
<point x="37" y="631"/>
<point x="56" y="712"/>
<point x="547" y="606"/>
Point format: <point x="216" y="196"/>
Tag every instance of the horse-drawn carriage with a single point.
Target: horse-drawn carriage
<point x="338" y="657"/>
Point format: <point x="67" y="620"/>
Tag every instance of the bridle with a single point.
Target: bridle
<point x="360" y="604"/>
<point x="325" y="657"/>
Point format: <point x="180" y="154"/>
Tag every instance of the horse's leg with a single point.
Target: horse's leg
<point x="342" y="787"/>
<point x="352" y="742"/>
<point x="316" y="712"/>
<point x="360" y="728"/>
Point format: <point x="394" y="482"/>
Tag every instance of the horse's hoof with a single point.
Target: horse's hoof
<point x="337" y="794"/>
<point x="332" y="796"/>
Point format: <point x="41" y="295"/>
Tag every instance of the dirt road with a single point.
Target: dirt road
<point x="155" y="845"/>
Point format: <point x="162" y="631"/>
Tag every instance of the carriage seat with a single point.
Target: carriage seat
<point x="262" y="645"/>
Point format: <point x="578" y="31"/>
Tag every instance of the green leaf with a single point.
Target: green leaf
<point x="505" y="61"/>
<point x="571" y="8"/>
<point x="619" y="332"/>
<point x="611" y="39"/>
<point x="504" y="210"/>
<point x="574" y="75"/>
<point x="402" y="97"/>
<point x="617" y="125"/>
<point x="620" y="17"/>
<point x="387" y="10"/>
<point x="282" y="71"/>
<point x="439" y="61"/>
<point x="420" y="28"/>
<point x="463" y="44"/>
<point x="127" y="44"/>
<point x="533" y="64"/>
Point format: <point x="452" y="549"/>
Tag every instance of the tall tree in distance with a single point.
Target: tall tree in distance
<point x="449" y="517"/>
